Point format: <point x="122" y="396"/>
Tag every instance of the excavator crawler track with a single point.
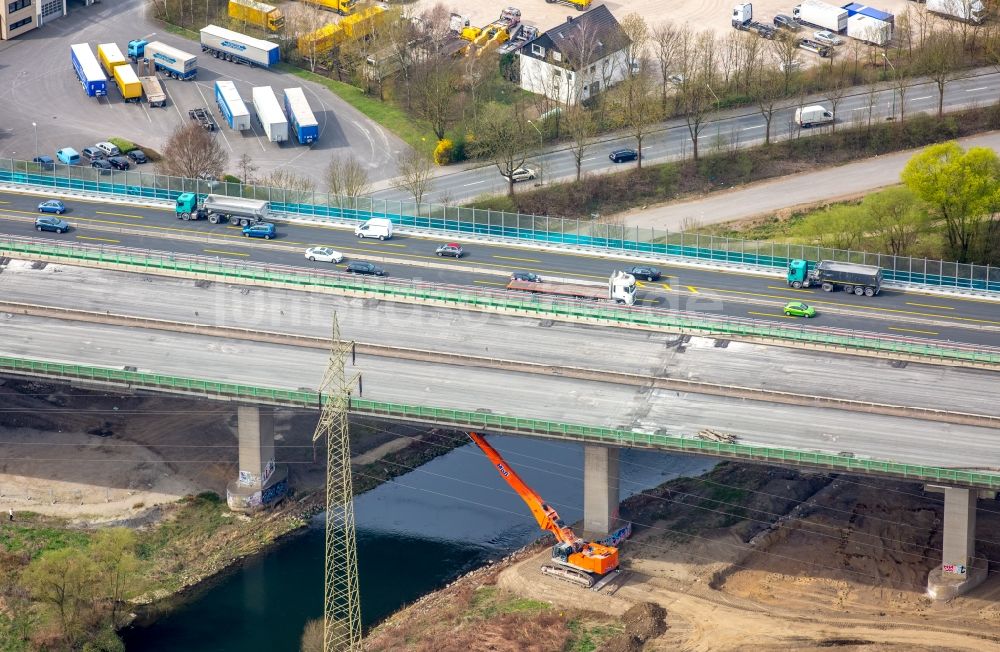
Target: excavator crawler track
<point x="578" y="577"/>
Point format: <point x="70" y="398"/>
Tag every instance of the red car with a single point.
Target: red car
<point x="451" y="249"/>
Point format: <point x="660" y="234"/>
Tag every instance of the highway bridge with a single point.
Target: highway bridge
<point x="635" y="387"/>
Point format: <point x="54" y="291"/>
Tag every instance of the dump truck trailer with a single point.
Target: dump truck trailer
<point x="830" y="275"/>
<point x="217" y="208"/>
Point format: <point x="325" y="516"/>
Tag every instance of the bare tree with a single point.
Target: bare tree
<point x="664" y="39"/>
<point x="416" y="171"/>
<point x="194" y="153"/>
<point x="305" y="24"/>
<point x="939" y="62"/>
<point x="835" y="95"/>
<point x="766" y="91"/>
<point x="245" y="166"/>
<point x="639" y="108"/>
<point x="434" y="98"/>
<point x="696" y="97"/>
<point x="502" y="138"/>
<point x="785" y="49"/>
<point x="580" y="126"/>
<point x="296" y="189"/>
<point x="347" y="177"/>
<point x="635" y="35"/>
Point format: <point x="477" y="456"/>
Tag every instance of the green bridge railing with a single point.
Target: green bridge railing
<point x="501" y="301"/>
<point x="503" y="423"/>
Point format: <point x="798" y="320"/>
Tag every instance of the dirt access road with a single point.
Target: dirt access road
<point x="832" y="562"/>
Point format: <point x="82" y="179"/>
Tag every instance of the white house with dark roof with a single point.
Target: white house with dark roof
<point x="577" y="59"/>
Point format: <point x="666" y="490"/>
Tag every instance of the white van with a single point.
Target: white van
<point x="376" y="227"/>
<point x="816" y="114"/>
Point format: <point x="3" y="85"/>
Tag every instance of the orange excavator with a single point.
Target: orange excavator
<point x="578" y="561"/>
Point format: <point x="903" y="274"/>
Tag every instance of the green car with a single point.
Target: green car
<point x="799" y="309"/>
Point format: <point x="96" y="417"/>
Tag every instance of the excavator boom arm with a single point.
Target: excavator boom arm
<point x="547" y="517"/>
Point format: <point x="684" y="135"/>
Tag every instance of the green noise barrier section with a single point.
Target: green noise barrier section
<point x="464" y="419"/>
<point x="543" y="308"/>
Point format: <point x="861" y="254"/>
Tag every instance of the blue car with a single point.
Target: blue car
<point x="264" y="230"/>
<point x="52" y="206"/>
<point x="68" y="155"/>
<point x="56" y="224"/>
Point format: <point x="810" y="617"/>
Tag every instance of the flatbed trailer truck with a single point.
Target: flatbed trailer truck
<point x="830" y="274"/>
<point x="619" y="289"/>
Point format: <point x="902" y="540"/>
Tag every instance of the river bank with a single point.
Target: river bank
<point x="77" y="461"/>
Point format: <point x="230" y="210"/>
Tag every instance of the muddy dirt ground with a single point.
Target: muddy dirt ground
<point x="96" y="457"/>
<point x="755" y="558"/>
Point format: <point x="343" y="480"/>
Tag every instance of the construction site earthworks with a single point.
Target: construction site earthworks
<point x="744" y="558"/>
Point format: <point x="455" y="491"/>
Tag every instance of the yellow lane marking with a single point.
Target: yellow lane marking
<point x="32" y="193"/>
<point x="769" y="314"/>
<point x="692" y="289"/>
<point x="4" y="202"/>
<point x="873" y="309"/>
<point x="646" y="300"/>
<point x="14" y="210"/>
<point x="138" y="217"/>
<point x="928" y="305"/>
<point x="913" y="330"/>
<point x="489" y="282"/>
<point x="666" y="286"/>
<point x="522" y="260"/>
<point x="84" y="237"/>
<point x="225" y="253"/>
<point x="789" y="289"/>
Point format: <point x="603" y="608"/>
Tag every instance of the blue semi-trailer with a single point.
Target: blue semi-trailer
<point x="88" y="70"/>
<point x="301" y="116"/>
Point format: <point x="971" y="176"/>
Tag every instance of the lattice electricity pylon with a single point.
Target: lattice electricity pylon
<point x="341" y="598"/>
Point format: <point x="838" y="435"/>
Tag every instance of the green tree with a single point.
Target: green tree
<point x="895" y="219"/>
<point x="961" y="187"/>
<point x="838" y="227"/>
<point x="113" y="553"/>
<point x="65" y="580"/>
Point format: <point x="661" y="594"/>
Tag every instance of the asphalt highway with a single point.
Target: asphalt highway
<point x="733" y="293"/>
<point x="739" y="127"/>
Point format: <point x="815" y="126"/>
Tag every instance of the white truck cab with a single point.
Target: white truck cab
<point x="621" y="287"/>
<point x="376" y="227"/>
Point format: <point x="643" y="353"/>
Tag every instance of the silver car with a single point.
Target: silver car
<point x="522" y="174"/>
<point x="827" y="38"/>
<point x="324" y="254"/>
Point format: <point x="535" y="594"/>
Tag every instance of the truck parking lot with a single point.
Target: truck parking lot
<point x="39" y="86"/>
<point x="711" y="15"/>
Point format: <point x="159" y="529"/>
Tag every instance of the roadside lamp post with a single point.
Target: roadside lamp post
<point x="541" y="154"/>
<point x="894" y="77"/>
<point x="34" y="125"/>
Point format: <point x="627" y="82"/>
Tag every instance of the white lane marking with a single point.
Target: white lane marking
<point x="752" y="128"/>
<point x="474" y="183"/>
<point x="925" y="97"/>
<point x="973" y="90"/>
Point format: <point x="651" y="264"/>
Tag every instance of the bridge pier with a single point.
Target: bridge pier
<point x="600" y="491"/>
<point x="260" y="483"/>
<point x="960" y="570"/>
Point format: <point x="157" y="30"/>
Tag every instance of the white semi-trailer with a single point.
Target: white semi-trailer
<point x="971" y="11"/>
<point x="269" y="114"/>
<point x="821" y="14"/>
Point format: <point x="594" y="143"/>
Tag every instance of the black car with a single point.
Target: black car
<point x="789" y="23"/>
<point x="101" y="165"/>
<point x="620" y="155"/>
<point x="361" y="267"/>
<point x="45" y="162"/>
<point x="138" y="156"/>
<point x="119" y="162"/>
<point x="647" y="272"/>
<point x="526" y="276"/>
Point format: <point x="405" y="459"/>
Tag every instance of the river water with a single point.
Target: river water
<point x="415" y="534"/>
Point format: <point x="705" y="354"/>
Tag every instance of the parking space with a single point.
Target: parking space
<point x="38" y="84"/>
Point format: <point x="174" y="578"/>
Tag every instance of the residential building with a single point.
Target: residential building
<point x="20" y="16"/>
<point x="577" y="59"/>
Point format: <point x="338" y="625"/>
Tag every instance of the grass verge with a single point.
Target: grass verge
<point x="418" y="136"/>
